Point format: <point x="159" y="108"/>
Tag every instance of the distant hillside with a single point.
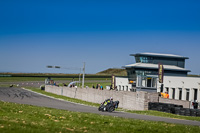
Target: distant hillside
<point x="114" y="71"/>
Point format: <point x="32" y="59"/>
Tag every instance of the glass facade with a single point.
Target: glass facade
<point x="133" y="73"/>
<point x="143" y="59"/>
<point x="165" y="61"/>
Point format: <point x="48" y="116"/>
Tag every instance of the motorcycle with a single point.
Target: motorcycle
<point x="108" y="106"/>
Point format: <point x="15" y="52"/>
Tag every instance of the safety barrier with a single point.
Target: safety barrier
<point x="174" y="109"/>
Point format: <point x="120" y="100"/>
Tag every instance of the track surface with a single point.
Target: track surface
<point x="18" y="95"/>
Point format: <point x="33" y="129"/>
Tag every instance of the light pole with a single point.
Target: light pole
<point x="80" y="78"/>
<point x="83" y="75"/>
<point x="83" y="80"/>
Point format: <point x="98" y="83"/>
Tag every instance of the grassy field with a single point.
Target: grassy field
<point x="24" y="118"/>
<point x="19" y="118"/>
<point x="88" y="81"/>
<point x="148" y="112"/>
<point x="62" y="97"/>
<point x="18" y="79"/>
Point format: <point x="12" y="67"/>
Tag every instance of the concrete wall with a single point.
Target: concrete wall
<point x="128" y="100"/>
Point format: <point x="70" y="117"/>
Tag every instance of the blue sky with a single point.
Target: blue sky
<point x="34" y="34"/>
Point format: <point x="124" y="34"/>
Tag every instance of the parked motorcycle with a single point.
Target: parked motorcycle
<point x="110" y="107"/>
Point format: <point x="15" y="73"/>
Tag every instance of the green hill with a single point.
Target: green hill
<point x="113" y="71"/>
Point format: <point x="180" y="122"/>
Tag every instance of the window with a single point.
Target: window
<point x="180" y="93"/>
<point x="144" y="59"/>
<point x="195" y="94"/>
<point x="137" y="59"/>
<point x="173" y="93"/>
<point x="167" y="89"/>
<point x="187" y="94"/>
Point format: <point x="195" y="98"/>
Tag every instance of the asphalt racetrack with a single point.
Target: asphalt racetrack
<point x="22" y="96"/>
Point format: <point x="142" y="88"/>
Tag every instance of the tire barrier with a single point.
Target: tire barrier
<point x="174" y="109"/>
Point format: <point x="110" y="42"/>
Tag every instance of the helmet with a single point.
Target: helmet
<point x="111" y="98"/>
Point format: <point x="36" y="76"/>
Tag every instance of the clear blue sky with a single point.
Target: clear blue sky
<point x="102" y="33"/>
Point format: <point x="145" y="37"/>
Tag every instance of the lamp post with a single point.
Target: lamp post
<point x="83" y="80"/>
<point x="83" y="75"/>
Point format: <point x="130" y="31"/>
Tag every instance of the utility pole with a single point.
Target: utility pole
<point x="83" y="75"/>
<point x="80" y="78"/>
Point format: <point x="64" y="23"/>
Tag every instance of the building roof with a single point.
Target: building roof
<point x="159" y="55"/>
<point x="155" y="66"/>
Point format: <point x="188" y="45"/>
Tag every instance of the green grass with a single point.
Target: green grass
<point x="93" y="81"/>
<point x="106" y="82"/>
<point x="19" y="118"/>
<point x="19" y="79"/>
<point x="148" y="112"/>
<point x="62" y="97"/>
<point x="163" y="114"/>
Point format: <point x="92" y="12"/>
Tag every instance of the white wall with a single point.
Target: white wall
<point x="190" y="83"/>
<point x="181" y="82"/>
<point x="121" y="83"/>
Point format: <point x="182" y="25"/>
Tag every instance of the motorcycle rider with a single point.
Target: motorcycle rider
<point x="108" y="101"/>
<point x="108" y="105"/>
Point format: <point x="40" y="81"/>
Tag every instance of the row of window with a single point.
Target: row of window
<point x="143" y="59"/>
<point x="122" y="88"/>
<point x="187" y="94"/>
<point x="143" y="73"/>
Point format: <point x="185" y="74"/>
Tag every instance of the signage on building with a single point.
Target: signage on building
<point x="160" y="72"/>
<point x="113" y="82"/>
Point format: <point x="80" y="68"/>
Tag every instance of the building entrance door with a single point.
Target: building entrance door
<point x="149" y="82"/>
<point x="173" y="93"/>
<point x="180" y="93"/>
<point x="195" y="94"/>
<point x="187" y="94"/>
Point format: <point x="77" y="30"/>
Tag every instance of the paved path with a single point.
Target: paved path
<point x="22" y="96"/>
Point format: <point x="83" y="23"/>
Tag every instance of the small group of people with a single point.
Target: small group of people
<point x="164" y="95"/>
<point x="56" y="84"/>
<point x="98" y="86"/>
<point x="72" y="85"/>
<point x="64" y="84"/>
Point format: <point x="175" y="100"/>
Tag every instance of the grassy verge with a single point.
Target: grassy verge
<point x="163" y="114"/>
<point x="19" y="79"/>
<point x="62" y="97"/>
<point x="19" y="118"/>
<point x="149" y="112"/>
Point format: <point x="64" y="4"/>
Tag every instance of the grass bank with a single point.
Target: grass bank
<point x="17" y="118"/>
<point x="62" y="97"/>
<point x="148" y="112"/>
<point x="20" y="79"/>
